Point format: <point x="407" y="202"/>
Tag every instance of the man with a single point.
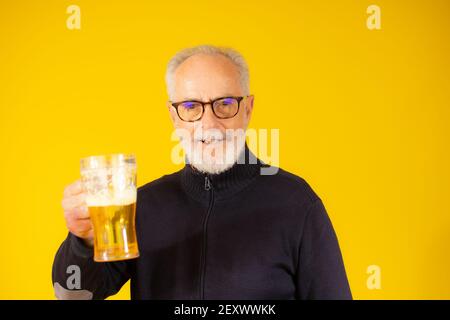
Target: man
<point x="218" y="228"/>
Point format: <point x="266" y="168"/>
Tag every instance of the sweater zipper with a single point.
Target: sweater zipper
<point x="208" y="188"/>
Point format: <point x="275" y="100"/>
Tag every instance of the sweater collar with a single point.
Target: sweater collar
<point x="224" y="184"/>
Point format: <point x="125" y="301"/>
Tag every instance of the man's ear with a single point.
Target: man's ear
<point x="249" y="106"/>
<point x="172" y="112"/>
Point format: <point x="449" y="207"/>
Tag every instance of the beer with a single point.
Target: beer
<point x="110" y="183"/>
<point x="114" y="228"/>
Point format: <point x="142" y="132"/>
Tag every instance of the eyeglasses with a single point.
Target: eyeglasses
<point x="223" y="108"/>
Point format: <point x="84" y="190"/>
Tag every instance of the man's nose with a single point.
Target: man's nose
<point x="209" y="120"/>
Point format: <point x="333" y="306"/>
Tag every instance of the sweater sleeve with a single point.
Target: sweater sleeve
<point x="320" y="272"/>
<point x="76" y="276"/>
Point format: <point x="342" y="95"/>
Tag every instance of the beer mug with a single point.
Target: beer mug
<point x="110" y="184"/>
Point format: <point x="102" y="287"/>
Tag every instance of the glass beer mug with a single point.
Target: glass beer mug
<point x="110" y="184"/>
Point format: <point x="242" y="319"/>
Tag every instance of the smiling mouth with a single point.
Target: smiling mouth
<point x="209" y="141"/>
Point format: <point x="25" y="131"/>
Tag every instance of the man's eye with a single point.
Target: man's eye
<point x="189" y="105"/>
<point x="226" y="102"/>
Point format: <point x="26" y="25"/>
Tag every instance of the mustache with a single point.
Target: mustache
<point x="210" y="135"/>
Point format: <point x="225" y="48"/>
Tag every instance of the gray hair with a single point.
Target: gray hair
<point x="229" y="53"/>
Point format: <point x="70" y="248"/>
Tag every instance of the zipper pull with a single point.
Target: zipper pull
<point x="207" y="183"/>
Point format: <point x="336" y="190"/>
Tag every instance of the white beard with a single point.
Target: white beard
<point x="211" y="151"/>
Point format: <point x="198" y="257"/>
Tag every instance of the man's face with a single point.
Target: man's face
<point x="214" y="143"/>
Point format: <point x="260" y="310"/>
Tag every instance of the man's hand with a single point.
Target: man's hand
<point x="76" y="212"/>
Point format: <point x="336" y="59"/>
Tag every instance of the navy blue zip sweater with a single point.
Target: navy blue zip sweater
<point x="235" y="235"/>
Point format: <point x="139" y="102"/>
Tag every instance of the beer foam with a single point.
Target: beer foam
<point x="121" y="198"/>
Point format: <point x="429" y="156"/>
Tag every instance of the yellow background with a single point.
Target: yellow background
<point x="363" y="117"/>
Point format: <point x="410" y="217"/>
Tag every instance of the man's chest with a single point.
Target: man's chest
<point x="219" y="251"/>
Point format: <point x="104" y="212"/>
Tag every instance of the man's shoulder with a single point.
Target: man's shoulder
<point x="165" y="182"/>
<point x="290" y="185"/>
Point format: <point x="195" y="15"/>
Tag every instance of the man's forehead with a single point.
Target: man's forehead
<point x="206" y="81"/>
<point x="205" y="98"/>
<point x="207" y="92"/>
<point x="194" y="75"/>
<point x="206" y="68"/>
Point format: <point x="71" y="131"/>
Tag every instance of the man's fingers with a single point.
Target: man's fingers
<point x="83" y="226"/>
<point x="73" y="189"/>
<point x="78" y="213"/>
<point x="74" y="201"/>
<point x="79" y="227"/>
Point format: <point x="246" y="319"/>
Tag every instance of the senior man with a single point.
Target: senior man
<point x="219" y="228"/>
